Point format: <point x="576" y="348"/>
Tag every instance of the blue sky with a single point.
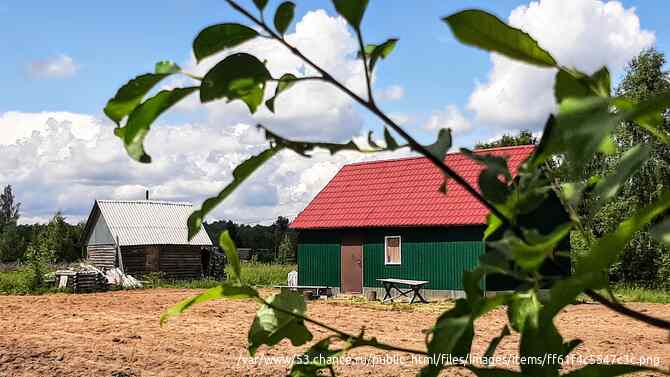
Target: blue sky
<point x="97" y="46"/>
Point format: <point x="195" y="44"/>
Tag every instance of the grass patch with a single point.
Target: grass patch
<point x="15" y="282"/>
<point x="638" y="294"/>
<point x="20" y="282"/>
<point x="253" y="273"/>
<point x="264" y="274"/>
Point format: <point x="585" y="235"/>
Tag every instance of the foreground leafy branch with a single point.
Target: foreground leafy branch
<point x="579" y="130"/>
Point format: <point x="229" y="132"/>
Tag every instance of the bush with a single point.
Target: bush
<point x="16" y="282"/>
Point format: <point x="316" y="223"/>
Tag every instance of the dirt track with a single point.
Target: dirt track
<point x="117" y="334"/>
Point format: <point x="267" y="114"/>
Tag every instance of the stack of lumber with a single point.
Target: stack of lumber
<point x="216" y="266"/>
<point x="89" y="281"/>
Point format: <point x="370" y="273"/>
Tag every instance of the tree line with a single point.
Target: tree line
<point x="276" y="242"/>
<point x="59" y="241"/>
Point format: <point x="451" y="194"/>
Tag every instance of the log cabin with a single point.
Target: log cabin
<point x="145" y="236"/>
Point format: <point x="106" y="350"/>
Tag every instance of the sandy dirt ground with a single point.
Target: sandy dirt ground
<point x="118" y="334"/>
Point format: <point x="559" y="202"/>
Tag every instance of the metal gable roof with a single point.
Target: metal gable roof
<point x="149" y="222"/>
<point x="402" y="192"/>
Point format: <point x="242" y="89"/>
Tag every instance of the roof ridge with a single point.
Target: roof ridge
<point x="525" y="146"/>
<point x="140" y="201"/>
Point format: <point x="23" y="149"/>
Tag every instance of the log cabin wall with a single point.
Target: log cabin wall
<point x="173" y="261"/>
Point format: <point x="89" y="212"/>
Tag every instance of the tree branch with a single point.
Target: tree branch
<point x="364" y="56"/>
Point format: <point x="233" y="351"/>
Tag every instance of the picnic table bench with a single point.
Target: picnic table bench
<point x="317" y="289"/>
<point x="413" y="287"/>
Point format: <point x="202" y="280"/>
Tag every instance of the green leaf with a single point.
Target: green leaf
<point x="581" y="127"/>
<point x="351" y="10"/>
<point x="376" y="52"/>
<point x="284" y="16"/>
<point x="452" y="335"/>
<point x="629" y="164"/>
<point x="240" y="173"/>
<point x="224" y="290"/>
<point x="523" y="307"/>
<point x="486" y="31"/>
<point x="228" y="246"/>
<point x="167" y="67"/>
<point x="391" y="144"/>
<point x="440" y="147"/>
<point x="608" y="370"/>
<point x="141" y="118"/>
<point x="319" y="356"/>
<point x="494" y="223"/>
<point x="572" y="192"/>
<point x="530" y="254"/>
<point x="260" y="4"/>
<point x="272" y="325"/>
<point x="453" y="331"/>
<point x="539" y="336"/>
<point x="130" y="95"/>
<point x="574" y="84"/>
<point x="497" y="164"/>
<point x="491" y="349"/>
<point x="286" y="81"/>
<point x="238" y="76"/>
<point x="661" y="232"/>
<point x="489" y="183"/>
<point x="217" y="38"/>
<point x="492" y="188"/>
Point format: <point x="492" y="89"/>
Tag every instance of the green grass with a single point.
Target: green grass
<point x="253" y="273"/>
<point x="15" y="282"/>
<point x="637" y="294"/>
<point x="264" y="274"/>
<point x="19" y="282"/>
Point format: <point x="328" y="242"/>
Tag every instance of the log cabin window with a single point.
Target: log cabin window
<point x="392" y="250"/>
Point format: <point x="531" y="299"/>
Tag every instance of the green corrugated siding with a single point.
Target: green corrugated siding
<point x="319" y="259"/>
<point x="439" y="255"/>
<point x="440" y="262"/>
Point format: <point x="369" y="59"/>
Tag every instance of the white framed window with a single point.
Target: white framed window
<point x="392" y="250"/>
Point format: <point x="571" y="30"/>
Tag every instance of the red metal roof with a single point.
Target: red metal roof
<point x="402" y="192"/>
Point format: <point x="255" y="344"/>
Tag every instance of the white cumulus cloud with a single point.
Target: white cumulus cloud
<point x="64" y="161"/>
<point x="56" y="66"/>
<point x="451" y="117"/>
<point x="585" y="34"/>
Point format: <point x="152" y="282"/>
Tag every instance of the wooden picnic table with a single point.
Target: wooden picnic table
<point x="414" y="287"/>
<point x="317" y="289"/>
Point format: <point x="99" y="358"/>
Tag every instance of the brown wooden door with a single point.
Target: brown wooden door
<point x="352" y="265"/>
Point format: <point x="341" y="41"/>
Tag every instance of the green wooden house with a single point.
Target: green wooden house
<point x="387" y="219"/>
